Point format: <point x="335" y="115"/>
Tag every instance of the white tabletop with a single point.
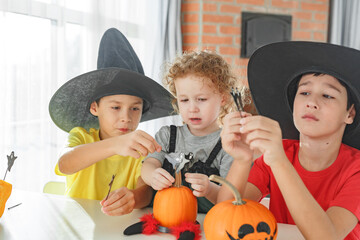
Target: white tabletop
<point x="47" y="216"/>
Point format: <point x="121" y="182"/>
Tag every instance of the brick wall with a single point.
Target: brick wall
<point x="215" y="24"/>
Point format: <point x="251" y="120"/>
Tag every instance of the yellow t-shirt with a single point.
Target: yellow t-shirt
<point x="93" y="181"/>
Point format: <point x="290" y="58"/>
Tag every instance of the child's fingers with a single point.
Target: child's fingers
<point x="198" y="190"/>
<point x="151" y="143"/>
<point x="232" y="118"/>
<point x="198" y="194"/>
<point x="258" y="122"/>
<point x="145" y="144"/>
<point x="195" y="178"/>
<point x="234" y="129"/>
<point x="230" y="137"/>
<point x="140" y="148"/>
<point x="260" y="144"/>
<point x="160" y="182"/>
<point x="126" y="209"/>
<point x="124" y="205"/>
<point x="232" y="115"/>
<point x="198" y="187"/>
<point x="258" y="134"/>
<point x="161" y="179"/>
<point x="245" y="114"/>
<point x="269" y="146"/>
<point x="199" y="183"/>
<point x="114" y="196"/>
<point x="134" y="153"/>
<point x="166" y="174"/>
<point x="159" y="186"/>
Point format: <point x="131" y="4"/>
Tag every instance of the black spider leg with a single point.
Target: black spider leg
<point x="233" y="94"/>
<point x="237" y="99"/>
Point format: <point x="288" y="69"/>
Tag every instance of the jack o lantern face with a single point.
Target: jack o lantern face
<point x="247" y="230"/>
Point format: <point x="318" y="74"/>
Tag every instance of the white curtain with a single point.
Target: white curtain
<point x="345" y="23"/>
<point x="162" y="48"/>
<point x="43" y="44"/>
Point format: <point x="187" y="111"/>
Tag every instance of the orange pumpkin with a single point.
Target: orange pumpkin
<point x="5" y="192"/>
<point x="240" y="219"/>
<point x="175" y="205"/>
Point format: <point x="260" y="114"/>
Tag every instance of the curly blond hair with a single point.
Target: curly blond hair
<point x="206" y="64"/>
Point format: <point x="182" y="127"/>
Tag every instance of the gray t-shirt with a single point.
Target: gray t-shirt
<point x="201" y="147"/>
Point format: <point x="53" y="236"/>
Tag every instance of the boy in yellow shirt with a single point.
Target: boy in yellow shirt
<point x="101" y="111"/>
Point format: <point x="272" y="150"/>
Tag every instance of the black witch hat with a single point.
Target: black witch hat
<point x="119" y="72"/>
<point x="274" y="68"/>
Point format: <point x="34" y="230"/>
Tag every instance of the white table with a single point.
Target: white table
<point x="47" y="216"/>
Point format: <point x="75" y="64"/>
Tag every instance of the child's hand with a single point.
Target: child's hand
<point x="199" y="183"/>
<point x="161" y="179"/>
<point x="233" y="141"/>
<point x="264" y="134"/>
<point x="135" y="143"/>
<point x="120" y="202"/>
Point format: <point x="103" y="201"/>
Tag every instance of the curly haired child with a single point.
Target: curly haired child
<point x="200" y="83"/>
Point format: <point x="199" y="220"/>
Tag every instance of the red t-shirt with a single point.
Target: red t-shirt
<point x="337" y="185"/>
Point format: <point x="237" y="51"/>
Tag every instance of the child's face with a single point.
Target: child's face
<point x="199" y="104"/>
<point x="117" y="114"/>
<point x="320" y="107"/>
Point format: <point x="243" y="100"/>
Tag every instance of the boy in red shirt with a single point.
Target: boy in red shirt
<point x="309" y="93"/>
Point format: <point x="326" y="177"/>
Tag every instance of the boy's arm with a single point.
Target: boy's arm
<point x="310" y="218"/>
<point x="85" y="155"/>
<point x="133" y="144"/>
<point x="234" y="143"/>
<point x="313" y="222"/>
<point x="143" y="194"/>
<point x="123" y="200"/>
<point x="238" y="175"/>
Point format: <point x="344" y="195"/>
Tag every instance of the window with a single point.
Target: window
<point x="43" y="44"/>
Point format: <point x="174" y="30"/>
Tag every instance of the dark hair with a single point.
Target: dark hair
<point x="293" y="87"/>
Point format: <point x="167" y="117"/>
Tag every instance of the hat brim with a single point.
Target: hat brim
<point x="273" y="67"/>
<point x="69" y="106"/>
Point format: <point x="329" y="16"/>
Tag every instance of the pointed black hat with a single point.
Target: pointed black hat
<point x="119" y="72"/>
<point x="273" y="69"/>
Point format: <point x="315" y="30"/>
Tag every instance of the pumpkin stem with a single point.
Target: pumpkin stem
<point x="178" y="181"/>
<point x="235" y="192"/>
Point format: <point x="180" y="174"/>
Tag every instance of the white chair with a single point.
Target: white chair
<point x="52" y="187"/>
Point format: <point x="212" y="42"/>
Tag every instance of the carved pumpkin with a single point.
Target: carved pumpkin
<point x="240" y="219"/>
<point x="175" y="205"/>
